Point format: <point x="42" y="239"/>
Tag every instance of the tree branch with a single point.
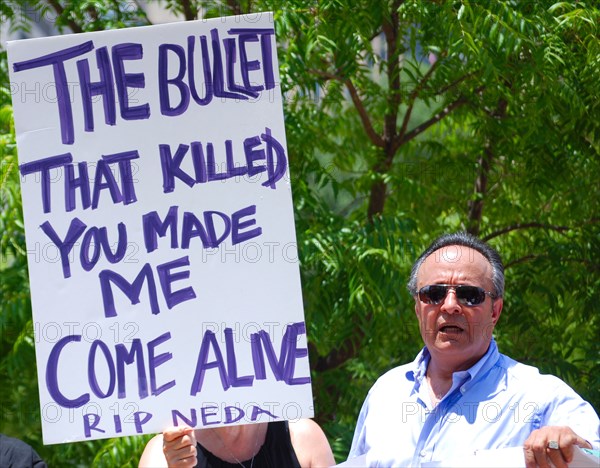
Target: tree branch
<point x="141" y="8"/>
<point x="378" y="192"/>
<point x="481" y="182"/>
<point x="60" y="11"/>
<point x="413" y="97"/>
<point x="390" y="30"/>
<point x="347" y="349"/>
<point x="358" y="104"/>
<point x="529" y="257"/>
<point x="534" y="224"/>
<point x="235" y="7"/>
<point x="364" y="116"/>
<point x="326" y="75"/>
<point x="188" y="13"/>
<point x="455" y="83"/>
<point x="524" y="259"/>
<point x="91" y="10"/>
<point x="432" y="121"/>
<point x="336" y="357"/>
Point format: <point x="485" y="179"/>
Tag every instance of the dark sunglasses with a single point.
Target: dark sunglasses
<point x="466" y="295"/>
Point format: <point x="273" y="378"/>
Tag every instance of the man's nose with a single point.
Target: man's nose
<point x="450" y="305"/>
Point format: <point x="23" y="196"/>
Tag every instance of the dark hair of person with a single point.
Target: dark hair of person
<point x="466" y="240"/>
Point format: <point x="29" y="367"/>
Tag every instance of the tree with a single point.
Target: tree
<point x="441" y="116"/>
<point x="406" y="119"/>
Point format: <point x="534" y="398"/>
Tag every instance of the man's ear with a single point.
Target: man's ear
<point x="417" y="311"/>
<point x="497" y="309"/>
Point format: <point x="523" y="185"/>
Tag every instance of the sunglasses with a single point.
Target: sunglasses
<point x="466" y="295"/>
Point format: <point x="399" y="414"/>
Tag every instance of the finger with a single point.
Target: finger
<point x="566" y="450"/>
<point x="556" y="456"/>
<point x="582" y="443"/>
<point x="535" y="450"/>
<point x="172" y="433"/>
<point x="541" y="458"/>
<point x="185" y="463"/>
<point x="529" y="457"/>
<point x="183" y="457"/>
<point x="568" y="443"/>
<point x="528" y="450"/>
<point x="177" y="444"/>
<point x="179" y="440"/>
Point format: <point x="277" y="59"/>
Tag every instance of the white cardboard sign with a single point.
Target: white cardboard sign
<point x="159" y="224"/>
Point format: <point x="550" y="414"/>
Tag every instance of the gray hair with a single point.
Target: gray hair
<point x="466" y="240"/>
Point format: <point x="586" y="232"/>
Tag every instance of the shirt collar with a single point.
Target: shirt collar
<point x="418" y="367"/>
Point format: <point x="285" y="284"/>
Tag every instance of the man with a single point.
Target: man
<point x="460" y="394"/>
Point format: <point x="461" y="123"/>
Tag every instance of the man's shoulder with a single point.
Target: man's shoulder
<point x="396" y="375"/>
<point x="516" y="368"/>
<point x="525" y="373"/>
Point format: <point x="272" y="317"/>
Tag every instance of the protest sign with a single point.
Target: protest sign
<point x="159" y="225"/>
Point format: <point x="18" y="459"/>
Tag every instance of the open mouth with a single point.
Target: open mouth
<point x="450" y="329"/>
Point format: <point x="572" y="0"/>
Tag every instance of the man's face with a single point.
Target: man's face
<point x="457" y="335"/>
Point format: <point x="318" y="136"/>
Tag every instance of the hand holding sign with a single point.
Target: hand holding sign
<point x="179" y="446"/>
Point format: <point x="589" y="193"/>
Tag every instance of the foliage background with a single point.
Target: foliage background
<point x="405" y="120"/>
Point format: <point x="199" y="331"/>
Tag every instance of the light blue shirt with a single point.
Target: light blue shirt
<point x="495" y="404"/>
